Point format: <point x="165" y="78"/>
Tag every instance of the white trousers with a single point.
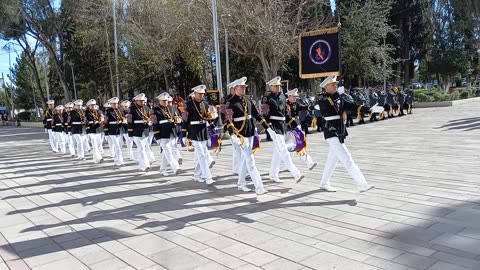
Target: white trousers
<point x="86" y="142"/>
<point x="247" y="165"/>
<point x="236" y="159"/>
<point x="308" y="159"/>
<point x="167" y="155"/>
<point x="202" y="161"/>
<point x="51" y="139"/>
<point x="150" y="154"/>
<point x="110" y="144"/>
<point x="175" y="150"/>
<point x="143" y="160"/>
<point x="116" y="142"/>
<point x="129" y="143"/>
<point x="71" y="145"/>
<point x="96" y="139"/>
<point x="79" y="140"/>
<point x="102" y="139"/>
<point x="59" y="141"/>
<point x="338" y="152"/>
<point x="280" y="153"/>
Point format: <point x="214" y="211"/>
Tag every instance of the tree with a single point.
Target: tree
<point x="364" y="28"/>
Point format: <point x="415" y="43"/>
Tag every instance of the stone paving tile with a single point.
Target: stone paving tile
<point x="422" y="215"/>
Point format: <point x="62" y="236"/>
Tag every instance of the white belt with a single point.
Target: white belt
<point x="197" y="122"/>
<point x="238" y="119"/>
<point x="58" y="124"/>
<point x="163" y="121"/>
<point x="113" y="123"/>
<point x="90" y="122"/>
<point x="330" y="118"/>
<point x="278" y="118"/>
<point x="48" y="120"/>
<point x="139" y="122"/>
<point x="77" y="123"/>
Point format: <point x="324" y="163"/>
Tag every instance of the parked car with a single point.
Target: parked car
<point x="417" y="85"/>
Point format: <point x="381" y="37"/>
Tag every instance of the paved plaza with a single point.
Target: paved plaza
<point x="60" y="213"/>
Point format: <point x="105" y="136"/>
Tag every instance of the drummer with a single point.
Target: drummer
<point x="299" y="141"/>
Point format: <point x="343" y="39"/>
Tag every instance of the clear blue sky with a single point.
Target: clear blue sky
<point x="4" y="58"/>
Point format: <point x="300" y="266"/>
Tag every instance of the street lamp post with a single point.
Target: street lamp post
<point x="217" y="48"/>
<point x="227" y="60"/>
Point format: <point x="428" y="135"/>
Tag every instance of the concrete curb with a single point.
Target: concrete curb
<point x="445" y="103"/>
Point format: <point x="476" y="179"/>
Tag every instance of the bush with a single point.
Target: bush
<point x="24" y="116"/>
<point x="422" y="97"/>
<point x="477" y="93"/>
<point x="464" y="95"/>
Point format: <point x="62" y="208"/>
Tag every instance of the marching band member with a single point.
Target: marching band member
<point x="94" y="122"/>
<point x="237" y="152"/>
<point x="177" y="115"/>
<point x="195" y="119"/>
<point x="164" y="127"/>
<point x="240" y="115"/>
<point x="47" y="124"/>
<point x="292" y="112"/>
<point x="77" y="122"/>
<point x="57" y="128"/>
<point x="114" y="121"/>
<point x="149" y="109"/>
<point x="68" y="128"/>
<point x="332" y="106"/>
<point x="139" y="124"/>
<point x="128" y="140"/>
<point x="278" y="119"/>
<point x="105" y="133"/>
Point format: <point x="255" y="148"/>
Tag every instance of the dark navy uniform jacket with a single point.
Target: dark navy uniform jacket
<point x="332" y="107"/>
<point x="241" y="115"/>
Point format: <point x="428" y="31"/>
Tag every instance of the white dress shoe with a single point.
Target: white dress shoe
<point x="299" y="178"/>
<point x="327" y="188"/>
<point x="198" y="179"/>
<point x="210" y="181"/>
<point x="261" y="192"/>
<point x="276" y="180"/>
<point x="244" y="189"/>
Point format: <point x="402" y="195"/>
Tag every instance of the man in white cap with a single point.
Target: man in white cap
<point x="128" y="140"/>
<point x="177" y="115"/>
<point x="195" y="120"/>
<point x="77" y="122"/>
<point x="57" y="128"/>
<point x="332" y="106"/>
<point x="47" y="123"/>
<point x="164" y="127"/>
<point x="94" y="122"/>
<point x="139" y="124"/>
<point x="292" y="111"/>
<point x="104" y="130"/>
<point x="114" y="121"/>
<point x="278" y="118"/>
<point x="68" y="128"/>
<point x="237" y="152"/>
<point x="240" y="116"/>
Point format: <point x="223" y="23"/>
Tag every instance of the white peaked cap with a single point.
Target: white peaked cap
<point x="91" y="102"/>
<point x="199" y="89"/>
<point x="293" y="92"/>
<point x="275" y="81"/>
<point x="328" y="80"/>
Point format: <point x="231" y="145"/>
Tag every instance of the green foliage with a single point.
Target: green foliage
<point x="464" y="95"/>
<point x="25" y="116"/>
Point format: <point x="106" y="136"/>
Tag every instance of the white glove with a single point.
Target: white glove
<point x="235" y="140"/>
<point x="272" y="133"/>
<point x="316" y="107"/>
<point x="377" y="109"/>
<point x="341" y="90"/>
<point x="184" y="141"/>
<point x="46" y="131"/>
<point x="149" y="123"/>
<point x="124" y="121"/>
